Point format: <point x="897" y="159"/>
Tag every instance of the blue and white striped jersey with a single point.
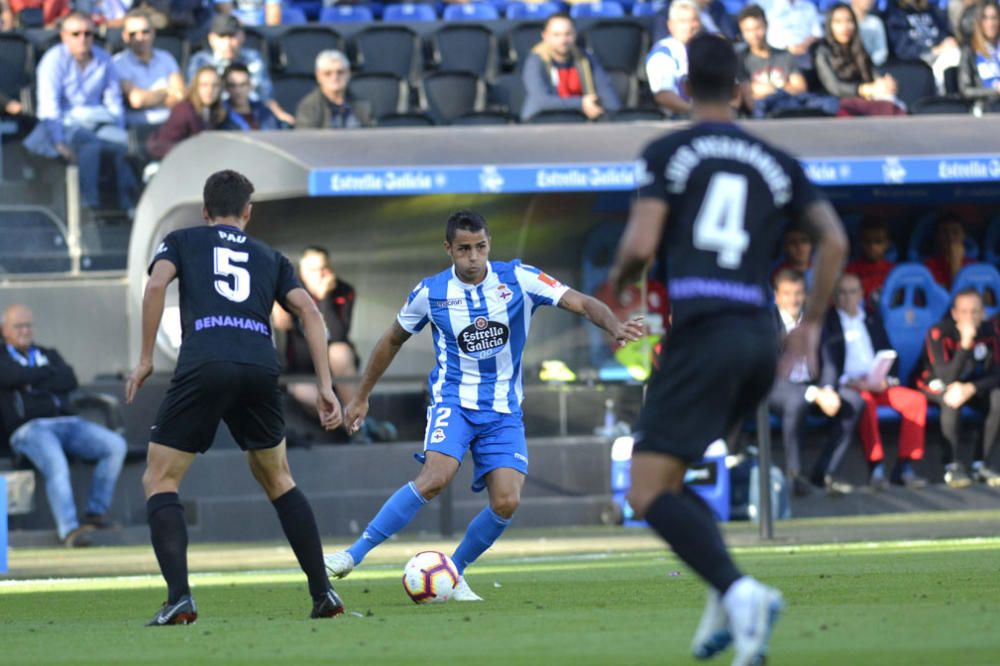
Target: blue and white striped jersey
<point x="479" y="332"/>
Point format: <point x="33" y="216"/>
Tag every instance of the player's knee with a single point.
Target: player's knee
<point x="430" y="484"/>
<point x="505" y="505"/>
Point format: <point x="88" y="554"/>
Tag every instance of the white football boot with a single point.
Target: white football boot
<point x="339" y="564"/>
<point x="463" y="592"/>
<point x="753" y="609"/>
<point x="713" y="635"/>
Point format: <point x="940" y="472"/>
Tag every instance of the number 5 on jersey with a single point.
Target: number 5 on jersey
<point x="238" y="289"/>
<point x="719" y="225"/>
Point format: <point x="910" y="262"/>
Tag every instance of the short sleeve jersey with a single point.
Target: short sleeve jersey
<point x="729" y="196"/>
<point x="479" y="332"/>
<point x="228" y="283"/>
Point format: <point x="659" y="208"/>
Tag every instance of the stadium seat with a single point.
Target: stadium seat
<point x="626" y="85"/>
<point x="607" y="9"/>
<point x="256" y="40"/>
<point x="388" y="50"/>
<point x="915" y="81"/>
<point x="292" y="15"/>
<point x="406" y="120"/>
<point x="34" y="241"/>
<point x="617" y="45"/>
<point x="632" y="115"/>
<point x="311" y="8"/>
<point x="506" y="93"/>
<point x="445" y="96"/>
<point x="176" y="46"/>
<point x="299" y="45"/>
<point x="16" y="54"/>
<point x="984" y="278"/>
<point x="520" y="40"/>
<point x="911" y="303"/>
<point x="734" y="7"/>
<point x="465" y="48"/>
<point x="289" y="89"/>
<point x="951" y="81"/>
<point x="387" y="94"/>
<point x="554" y="116"/>
<point x="537" y="11"/>
<point x="472" y="11"/>
<point x="922" y="240"/>
<point x="643" y="9"/>
<point x="992" y="242"/>
<point x="346" y="14"/>
<point x="485" y="118"/>
<point x="409" y="12"/>
<point x="937" y="105"/>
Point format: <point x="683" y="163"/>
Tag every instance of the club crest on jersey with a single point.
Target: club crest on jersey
<point x="437" y="436"/>
<point x="504" y="293"/>
<point x="483" y="338"/>
<point x="231" y="237"/>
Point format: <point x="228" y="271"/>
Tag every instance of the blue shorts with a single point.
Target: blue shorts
<point x="497" y="440"/>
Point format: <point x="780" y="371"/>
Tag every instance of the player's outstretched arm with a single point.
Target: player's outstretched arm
<point x="153" y="301"/>
<point x="821" y="221"/>
<point x="601" y="316"/>
<point x="381" y="358"/>
<point x="639" y="242"/>
<point x="301" y="304"/>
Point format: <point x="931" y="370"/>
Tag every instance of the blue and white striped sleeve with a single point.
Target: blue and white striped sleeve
<point x="542" y="287"/>
<point x="415" y="313"/>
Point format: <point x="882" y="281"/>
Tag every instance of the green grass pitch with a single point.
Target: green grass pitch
<point x="930" y="602"/>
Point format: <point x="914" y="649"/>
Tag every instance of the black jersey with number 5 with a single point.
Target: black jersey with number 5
<point x="228" y="283"/>
<point x="729" y="196"/>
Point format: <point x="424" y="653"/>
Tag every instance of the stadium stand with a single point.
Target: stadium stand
<point x="445" y="96"/>
<point x="465" y="48"/>
<point x="911" y="303"/>
<point x="297" y="48"/>
<point x="387" y="94"/>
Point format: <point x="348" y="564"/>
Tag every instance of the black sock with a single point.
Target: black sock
<point x="299" y="524"/>
<point x="169" y="536"/>
<point x="688" y="525"/>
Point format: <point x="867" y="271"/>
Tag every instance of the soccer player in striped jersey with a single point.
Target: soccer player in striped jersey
<point x="479" y="311"/>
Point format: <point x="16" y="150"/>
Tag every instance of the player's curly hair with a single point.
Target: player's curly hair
<point x="466" y="220"/>
<point x="226" y="194"/>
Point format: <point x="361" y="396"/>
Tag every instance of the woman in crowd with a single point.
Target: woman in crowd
<point x="202" y="110"/>
<point x="979" y="73"/>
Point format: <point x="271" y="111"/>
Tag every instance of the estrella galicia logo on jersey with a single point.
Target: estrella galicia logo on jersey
<point x="483" y="338"/>
<point x="447" y="303"/>
<point x="504" y="293"/>
<point x="437" y="436"/>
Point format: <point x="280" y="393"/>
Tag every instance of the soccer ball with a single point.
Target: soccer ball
<point x="430" y="577"/>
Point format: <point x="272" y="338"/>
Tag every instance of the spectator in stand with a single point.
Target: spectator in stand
<point x="846" y="71"/>
<point x="872" y="31"/>
<point x="13" y="111"/>
<point x="203" y="109"/>
<point x="558" y="75"/>
<point x="872" y="267"/>
<point x="35" y="383"/>
<point x="851" y="340"/>
<point x="772" y="79"/>
<point x="225" y="37"/>
<point x="716" y="20"/>
<point x="918" y="31"/>
<point x="794" y="26"/>
<point x="150" y="78"/>
<point x="961" y="368"/>
<point x="979" y="72"/>
<point x="252" y="12"/>
<point x="243" y="113"/>
<point x="667" y="63"/>
<point x="106" y="13"/>
<point x="949" y="255"/>
<point x="792" y="395"/>
<point x="80" y="112"/>
<point x="961" y="18"/>
<point x="797" y="250"/>
<point x="329" y="106"/>
<point x="22" y="14"/>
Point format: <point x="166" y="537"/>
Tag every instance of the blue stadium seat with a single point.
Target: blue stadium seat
<point x="409" y="12"/>
<point x="473" y="11"/>
<point x="609" y="9"/>
<point x="984" y="278"/>
<point x="922" y="240"/>
<point x="643" y="9"/>
<point x="310" y="7"/>
<point x="292" y="15"/>
<point x="534" y="10"/>
<point x="911" y="303"/>
<point x="346" y="14"/>
<point x="734" y="7"/>
<point x="991" y="249"/>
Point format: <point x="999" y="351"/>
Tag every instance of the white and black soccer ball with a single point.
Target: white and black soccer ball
<point x="430" y="577"/>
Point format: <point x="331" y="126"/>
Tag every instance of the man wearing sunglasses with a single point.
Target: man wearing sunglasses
<point x="151" y="81"/>
<point x="330" y="104"/>
<point x="81" y="114"/>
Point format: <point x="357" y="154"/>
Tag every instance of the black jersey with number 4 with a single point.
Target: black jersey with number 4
<point x="228" y="283"/>
<point x="729" y="196"/>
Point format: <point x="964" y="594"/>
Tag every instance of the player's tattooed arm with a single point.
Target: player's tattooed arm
<point x="381" y="358"/>
<point x="153" y="301"/>
<point x="601" y="316"/>
<point x="639" y="242"/>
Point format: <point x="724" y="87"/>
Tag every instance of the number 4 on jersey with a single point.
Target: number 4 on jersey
<point x="719" y="225"/>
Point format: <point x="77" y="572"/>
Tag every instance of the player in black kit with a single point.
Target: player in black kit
<point x="727" y="196"/>
<point x="227" y="370"/>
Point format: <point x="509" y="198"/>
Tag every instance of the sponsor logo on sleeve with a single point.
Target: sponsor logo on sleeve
<point x="483" y="338"/>
<point x="549" y="280"/>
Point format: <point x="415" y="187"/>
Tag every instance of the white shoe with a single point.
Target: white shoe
<point x="339" y="564"/>
<point x="753" y="609"/>
<point x="463" y="592"/>
<point x="713" y="635"/>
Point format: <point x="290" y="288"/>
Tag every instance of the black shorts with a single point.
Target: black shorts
<point x="713" y="372"/>
<point x="246" y="397"/>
